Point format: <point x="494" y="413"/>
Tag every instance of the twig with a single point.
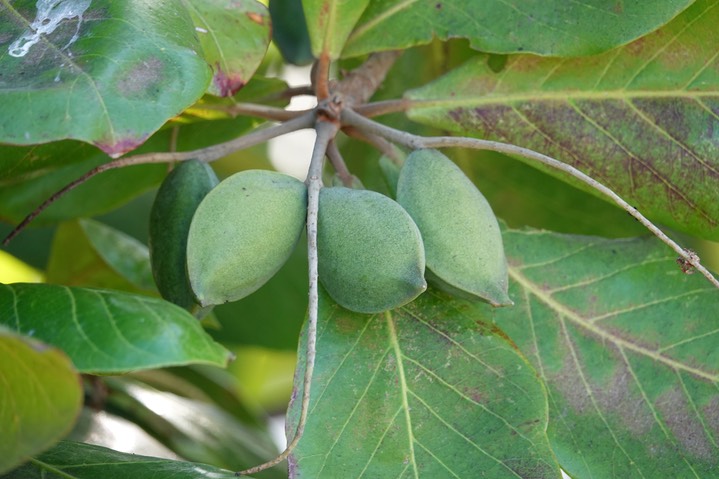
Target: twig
<point x="385" y="107"/>
<point x="321" y="77"/>
<point x="361" y="83"/>
<point x="414" y="142"/>
<point x="384" y="146"/>
<point x="326" y="131"/>
<point x="338" y="163"/>
<point x="208" y="154"/>
<point x="259" y="111"/>
<point x="290" y="93"/>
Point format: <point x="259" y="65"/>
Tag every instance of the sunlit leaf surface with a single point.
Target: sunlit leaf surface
<point x="641" y="119"/>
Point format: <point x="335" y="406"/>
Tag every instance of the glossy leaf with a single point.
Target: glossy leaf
<point x="93" y="71"/>
<point x="234" y="36"/>
<point x="98" y="195"/>
<point x="106" y="331"/>
<point x="41" y="397"/>
<point x="422" y="391"/>
<point x="73" y="460"/>
<point x="550" y="27"/>
<point x="289" y="31"/>
<point x="196" y="430"/>
<point x="88" y="253"/>
<point x="640" y="119"/>
<point x="330" y="22"/>
<point x="628" y="346"/>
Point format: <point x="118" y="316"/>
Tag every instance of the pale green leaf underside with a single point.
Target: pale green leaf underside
<point x="330" y="22"/>
<point x="109" y="73"/>
<point x="40" y="397"/>
<point x="642" y="119"/>
<point x="629" y="348"/>
<point x="70" y="460"/>
<point x="549" y="27"/>
<point x="234" y="36"/>
<point x="107" y="331"/>
<point x="422" y="391"/>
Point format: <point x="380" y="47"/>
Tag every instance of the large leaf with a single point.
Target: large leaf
<point x="41" y="397"/>
<point x="330" y="22"/>
<point x="72" y="460"/>
<point x="628" y="346"/>
<point x="108" y="332"/>
<point x="554" y="27"/>
<point x="423" y="391"/>
<point x="108" y="73"/>
<point x="641" y="119"/>
<point x="234" y="36"/>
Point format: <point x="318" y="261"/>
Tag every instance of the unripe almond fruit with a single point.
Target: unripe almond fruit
<point x="371" y="257"/>
<point x="462" y="239"/>
<point x="243" y="232"/>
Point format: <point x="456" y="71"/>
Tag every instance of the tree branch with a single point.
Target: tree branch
<point x="338" y="163"/>
<point x="415" y="142"/>
<point x="361" y="83"/>
<point x="385" y="147"/>
<point x="208" y="154"/>
<point x="385" y="107"/>
<point x="259" y="111"/>
<point x="326" y="131"/>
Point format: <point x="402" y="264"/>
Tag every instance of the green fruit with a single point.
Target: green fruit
<point x="242" y="233"/>
<point x="462" y="239"/>
<point x="175" y="204"/>
<point x="371" y="257"/>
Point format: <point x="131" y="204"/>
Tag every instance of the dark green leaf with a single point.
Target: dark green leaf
<point x="40" y="395"/>
<point x="106" y="331"/>
<point x="108" y="73"/>
<point x="72" y="460"/>
<point x="234" y="36"/>
<point x="554" y="27"/>
<point x="423" y="391"/>
<point x="330" y="23"/>
<point x="628" y="346"/>
<point x="640" y="119"/>
<point x="289" y="31"/>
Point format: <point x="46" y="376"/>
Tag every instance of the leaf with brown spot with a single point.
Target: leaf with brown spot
<point x="234" y="36"/>
<point x="71" y="82"/>
<point x="628" y="346"/>
<point x="642" y="119"/>
<point x="427" y="390"/>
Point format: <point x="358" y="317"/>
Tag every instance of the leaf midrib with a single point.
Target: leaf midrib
<point x="536" y="96"/>
<point x="565" y="312"/>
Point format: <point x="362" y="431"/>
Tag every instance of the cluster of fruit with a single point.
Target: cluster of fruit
<point x="212" y="243"/>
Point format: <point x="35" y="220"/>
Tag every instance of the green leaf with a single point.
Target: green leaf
<point x="234" y="36"/>
<point x="330" y="23"/>
<point x="550" y="27"/>
<point x="108" y="73"/>
<point x="123" y="253"/>
<point x="639" y="119"/>
<point x="423" y="391"/>
<point x="41" y="397"/>
<point x="106" y="331"/>
<point x="72" y="460"/>
<point x="289" y="31"/>
<point x="628" y="347"/>
<point x="75" y="262"/>
<point x="194" y="429"/>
